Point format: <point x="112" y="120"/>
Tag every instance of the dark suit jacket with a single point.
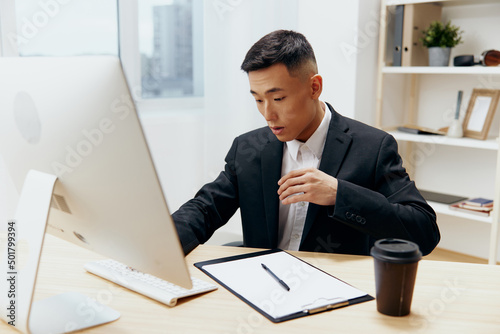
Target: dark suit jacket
<point x="375" y="197"/>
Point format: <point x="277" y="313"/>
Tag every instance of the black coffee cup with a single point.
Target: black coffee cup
<point x="396" y="263"/>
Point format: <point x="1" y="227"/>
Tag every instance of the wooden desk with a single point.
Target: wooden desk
<point x="448" y="298"/>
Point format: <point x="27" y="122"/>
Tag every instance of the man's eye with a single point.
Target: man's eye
<point x="279" y="98"/>
<point x="258" y="101"/>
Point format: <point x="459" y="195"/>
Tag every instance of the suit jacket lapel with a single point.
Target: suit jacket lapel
<point x="336" y="146"/>
<point x="271" y="160"/>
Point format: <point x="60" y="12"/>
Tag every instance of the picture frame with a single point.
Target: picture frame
<point x="480" y="112"/>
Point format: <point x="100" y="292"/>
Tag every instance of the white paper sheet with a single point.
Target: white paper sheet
<point x="309" y="287"/>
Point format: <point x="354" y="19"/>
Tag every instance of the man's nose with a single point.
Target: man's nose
<point x="269" y="112"/>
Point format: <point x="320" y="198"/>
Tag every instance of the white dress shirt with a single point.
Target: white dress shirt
<point x="297" y="155"/>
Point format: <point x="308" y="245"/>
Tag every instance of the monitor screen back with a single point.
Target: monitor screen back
<point x="74" y="117"/>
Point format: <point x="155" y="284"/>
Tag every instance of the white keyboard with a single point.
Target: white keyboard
<point x="145" y="284"/>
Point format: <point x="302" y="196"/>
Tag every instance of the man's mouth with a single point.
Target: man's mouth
<point x="277" y="129"/>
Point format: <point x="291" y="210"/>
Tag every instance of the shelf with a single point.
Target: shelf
<point x="472" y="70"/>
<point x="444" y="209"/>
<point x="442" y="2"/>
<point x="489" y="144"/>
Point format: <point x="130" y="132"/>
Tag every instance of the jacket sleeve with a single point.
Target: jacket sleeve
<point x="212" y="207"/>
<point x="392" y="208"/>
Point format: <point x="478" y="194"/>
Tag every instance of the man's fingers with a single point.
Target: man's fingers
<point x="308" y="185"/>
<point x="292" y="174"/>
<point x="291" y="182"/>
<point x="300" y="197"/>
<point x="291" y="191"/>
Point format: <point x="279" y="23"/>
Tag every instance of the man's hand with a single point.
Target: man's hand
<point x="308" y="185"/>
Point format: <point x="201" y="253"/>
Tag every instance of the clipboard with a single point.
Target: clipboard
<point x="311" y="290"/>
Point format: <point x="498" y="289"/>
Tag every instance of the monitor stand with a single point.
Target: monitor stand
<point x="63" y="313"/>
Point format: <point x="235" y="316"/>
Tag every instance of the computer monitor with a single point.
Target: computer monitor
<point x="74" y="117"/>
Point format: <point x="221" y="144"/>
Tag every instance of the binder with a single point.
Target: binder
<point x="440" y="197"/>
<point x="398" y="35"/>
<point x="293" y="289"/>
<point x="416" y="18"/>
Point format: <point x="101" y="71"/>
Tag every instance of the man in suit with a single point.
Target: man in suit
<point x="311" y="180"/>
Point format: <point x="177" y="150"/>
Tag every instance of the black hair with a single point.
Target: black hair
<point x="281" y="46"/>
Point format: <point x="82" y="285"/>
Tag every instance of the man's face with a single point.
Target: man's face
<point x="287" y="103"/>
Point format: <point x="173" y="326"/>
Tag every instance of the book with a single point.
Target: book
<point x="459" y="207"/>
<point x="479" y="202"/>
<point x="476" y="208"/>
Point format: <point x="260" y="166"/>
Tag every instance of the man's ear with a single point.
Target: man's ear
<point x="316" y="86"/>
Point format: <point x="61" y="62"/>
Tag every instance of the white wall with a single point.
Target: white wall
<point x="344" y="35"/>
<point x="179" y="166"/>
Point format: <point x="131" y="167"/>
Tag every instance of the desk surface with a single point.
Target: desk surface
<point x="448" y="298"/>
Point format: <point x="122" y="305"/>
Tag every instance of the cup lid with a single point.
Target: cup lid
<point x="396" y="251"/>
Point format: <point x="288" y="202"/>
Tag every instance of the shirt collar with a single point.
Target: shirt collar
<point x="316" y="142"/>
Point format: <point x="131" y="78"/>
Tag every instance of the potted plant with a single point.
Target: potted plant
<point x="439" y="39"/>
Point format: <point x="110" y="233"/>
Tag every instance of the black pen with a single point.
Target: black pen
<point x="280" y="281"/>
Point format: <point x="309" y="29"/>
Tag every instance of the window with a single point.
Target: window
<point x="160" y="42"/>
<point x="170" y="44"/>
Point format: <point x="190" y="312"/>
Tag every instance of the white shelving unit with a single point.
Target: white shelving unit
<point x="410" y="100"/>
<point x="473" y="70"/>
